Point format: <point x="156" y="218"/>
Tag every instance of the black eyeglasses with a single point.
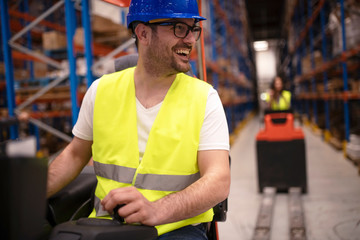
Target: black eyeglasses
<point x="181" y="30"/>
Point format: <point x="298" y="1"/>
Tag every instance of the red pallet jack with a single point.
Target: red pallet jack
<point x="281" y="165"/>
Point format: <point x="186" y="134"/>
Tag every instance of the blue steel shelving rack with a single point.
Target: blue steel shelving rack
<point x="9" y="44"/>
<point x="228" y="38"/>
<point x="309" y="102"/>
<point x="8" y="63"/>
<point x="233" y="35"/>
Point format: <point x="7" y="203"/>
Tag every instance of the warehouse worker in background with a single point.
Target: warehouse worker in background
<point x="278" y="99"/>
<point x="158" y="138"/>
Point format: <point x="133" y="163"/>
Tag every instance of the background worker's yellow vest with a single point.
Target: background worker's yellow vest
<point x="284" y="102"/>
<point x="169" y="163"/>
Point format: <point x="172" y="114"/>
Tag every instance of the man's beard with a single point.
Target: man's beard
<point x="159" y="62"/>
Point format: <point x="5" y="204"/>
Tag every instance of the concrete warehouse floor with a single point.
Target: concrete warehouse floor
<point x="332" y="205"/>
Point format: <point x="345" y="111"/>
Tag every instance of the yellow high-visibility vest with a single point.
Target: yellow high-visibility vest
<point x="169" y="163"/>
<point x="283" y="103"/>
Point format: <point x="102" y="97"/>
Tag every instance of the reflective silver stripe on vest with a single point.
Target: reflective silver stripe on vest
<point x="114" y="172"/>
<point x="98" y="208"/>
<point x="145" y="181"/>
<point x="165" y="182"/>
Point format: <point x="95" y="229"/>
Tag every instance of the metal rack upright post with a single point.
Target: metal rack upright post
<point x="70" y="21"/>
<point x="9" y="68"/>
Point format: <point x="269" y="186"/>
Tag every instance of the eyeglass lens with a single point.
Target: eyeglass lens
<point x="181" y="30"/>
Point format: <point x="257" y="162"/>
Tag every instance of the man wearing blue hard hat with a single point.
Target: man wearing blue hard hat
<point x="158" y="137"/>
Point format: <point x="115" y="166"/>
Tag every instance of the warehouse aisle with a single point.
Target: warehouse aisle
<point x="332" y="206"/>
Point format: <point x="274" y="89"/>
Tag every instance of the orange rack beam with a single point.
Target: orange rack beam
<point x="344" y="96"/>
<point x="30" y="18"/>
<point x="329" y="65"/>
<point x="50" y="114"/>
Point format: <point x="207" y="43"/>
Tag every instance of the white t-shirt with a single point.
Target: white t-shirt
<point x="214" y="134"/>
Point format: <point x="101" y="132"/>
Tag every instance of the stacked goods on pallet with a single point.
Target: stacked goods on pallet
<point x="306" y="62"/>
<point x="352" y="22"/>
<point x="59" y="93"/>
<point x="226" y="93"/>
<point x="106" y="35"/>
<point x="104" y="31"/>
<point x="53" y="40"/>
<point x="354" y="85"/>
<point x="229" y="79"/>
<point x="107" y="32"/>
<point x="335" y="85"/>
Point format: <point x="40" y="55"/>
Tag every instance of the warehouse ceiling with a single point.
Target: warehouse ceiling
<point x="266" y="18"/>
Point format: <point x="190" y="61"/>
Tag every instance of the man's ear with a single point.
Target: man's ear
<point x="143" y="33"/>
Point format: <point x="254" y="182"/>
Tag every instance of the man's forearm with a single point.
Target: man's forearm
<point x="59" y="175"/>
<point x="68" y="165"/>
<point x="194" y="200"/>
<point x="212" y="188"/>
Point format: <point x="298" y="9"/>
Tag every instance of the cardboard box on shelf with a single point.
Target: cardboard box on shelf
<point x="354" y="85"/>
<point x="320" y="87"/>
<point x="306" y="61"/>
<point x="101" y="24"/>
<point x="112" y="38"/>
<point x="79" y="36"/>
<point x="40" y="69"/>
<point x="21" y="74"/>
<point x="335" y="84"/>
<point x="107" y="32"/>
<point x="53" y="40"/>
<point x="104" y="31"/>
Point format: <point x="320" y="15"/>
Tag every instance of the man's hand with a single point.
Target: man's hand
<point x="137" y="208"/>
<point x="212" y="188"/>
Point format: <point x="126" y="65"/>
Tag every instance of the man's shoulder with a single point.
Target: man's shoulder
<point x="111" y="78"/>
<point x="195" y="81"/>
<point x="119" y="73"/>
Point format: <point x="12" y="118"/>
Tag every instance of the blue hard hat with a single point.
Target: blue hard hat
<point x="147" y="10"/>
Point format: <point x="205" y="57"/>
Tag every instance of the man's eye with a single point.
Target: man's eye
<point x="180" y="27"/>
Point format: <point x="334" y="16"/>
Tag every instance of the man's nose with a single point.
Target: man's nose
<point x="190" y="38"/>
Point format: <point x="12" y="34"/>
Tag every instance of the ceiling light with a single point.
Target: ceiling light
<point x="261" y="46"/>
